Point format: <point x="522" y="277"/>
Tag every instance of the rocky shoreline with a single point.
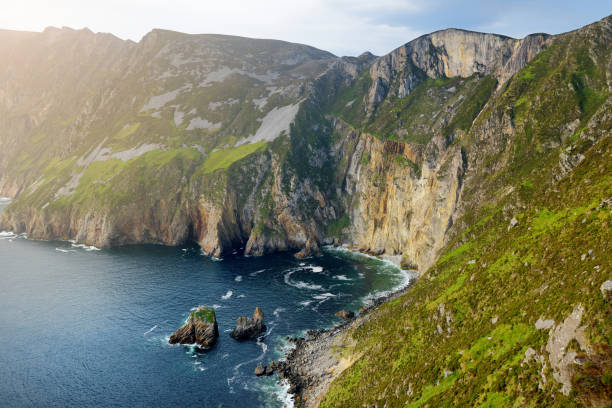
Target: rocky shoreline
<point x="315" y="361"/>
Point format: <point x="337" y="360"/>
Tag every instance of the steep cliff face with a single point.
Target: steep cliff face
<point x="264" y="145"/>
<point x="514" y="311"/>
<point x="449" y="53"/>
<point x="398" y="207"/>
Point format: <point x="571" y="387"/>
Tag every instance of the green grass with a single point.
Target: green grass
<point x="205" y="314"/>
<point x="335" y="228"/>
<point x="224" y="158"/>
<point x="445" y="323"/>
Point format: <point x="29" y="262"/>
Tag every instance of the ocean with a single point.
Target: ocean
<point x="80" y="326"/>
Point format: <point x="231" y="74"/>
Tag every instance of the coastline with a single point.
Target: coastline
<point x="307" y="369"/>
<point x="315" y="361"/>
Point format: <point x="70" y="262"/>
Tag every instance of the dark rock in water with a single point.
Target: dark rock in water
<point x="345" y="314"/>
<point x="260" y="370"/>
<point x="201" y="328"/>
<point x="310" y="249"/>
<point x="264" y="370"/>
<point x="249" y="327"/>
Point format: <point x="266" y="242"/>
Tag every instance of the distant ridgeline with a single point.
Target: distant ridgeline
<point x="481" y="160"/>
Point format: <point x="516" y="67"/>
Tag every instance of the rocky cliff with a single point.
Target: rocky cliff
<point x="233" y="142"/>
<point x="513" y="311"/>
<point x="478" y="159"/>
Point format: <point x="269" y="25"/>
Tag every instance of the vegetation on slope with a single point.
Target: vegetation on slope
<point x="532" y="246"/>
<point x="461" y="335"/>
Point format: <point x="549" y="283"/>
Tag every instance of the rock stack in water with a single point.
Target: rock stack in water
<point x="201" y="328"/>
<point x="249" y="327"/>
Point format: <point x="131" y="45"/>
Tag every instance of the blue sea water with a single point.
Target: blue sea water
<point x="82" y="327"/>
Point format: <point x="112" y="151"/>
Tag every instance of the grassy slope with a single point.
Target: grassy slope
<point x="534" y="270"/>
<point x="437" y="345"/>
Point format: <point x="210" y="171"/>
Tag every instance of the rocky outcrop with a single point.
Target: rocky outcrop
<point x="249" y="327"/>
<point x="449" y="53"/>
<point x="264" y="370"/>
<point x="382" y="194"/>
<point x="561" y="359"/>
<point x="200" y="329"/>
<point x="345" y="314"/>
<point x="385" y="192"/>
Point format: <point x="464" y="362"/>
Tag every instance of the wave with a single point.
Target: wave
<point x="227" y="295"/>
<point x="324" y="296"/>
<point x="405" y="282"/>
<point x="278" y="310"/>
<point x="64" y="250"/>
<point x="5" y="199"/>
<point x="390" y="261"/>
<point x="342" y="278"/>
<point x="283" y="394"/>
<point x="300" y="284"/>
<point x="316" y="269"/>
<point x="150" y="330"/>
<point x="257" y="272"/>
<point x="7" y="235"/>
<point x="238" y="278"/>
<point x="212" y="258"/>
<point x="216" y="306"/>
<point x="85" y="247"/>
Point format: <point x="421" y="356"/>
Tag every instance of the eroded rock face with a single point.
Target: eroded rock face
<point x="561" y="359"/>
<point x="450" y="53"/>
<point x="345" y="314"/>
<point x="249" y="327"/>
<point x="201" y="328"/>
<point x="389" y="195"/>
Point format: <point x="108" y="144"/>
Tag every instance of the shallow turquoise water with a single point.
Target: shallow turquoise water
<point x="83" y="327"/>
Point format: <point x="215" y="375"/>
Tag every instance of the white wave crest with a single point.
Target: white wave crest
<point x="324" y="296"/>
<point x="64" y="250"/>
<point x="85" y="247"/>
<point x="300" y="284"/>
<point x="227" y="295"/>
<point x="257" y="272"/>
<point x="238" y="278"/>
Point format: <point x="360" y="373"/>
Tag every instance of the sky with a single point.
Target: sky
<point x="343" y="27"/>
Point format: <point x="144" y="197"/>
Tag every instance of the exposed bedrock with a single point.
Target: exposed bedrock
<point x="249" y="327"/>
<point x="200" y="328"/>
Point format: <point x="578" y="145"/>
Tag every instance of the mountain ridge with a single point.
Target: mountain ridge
<point x="474" y="158"/>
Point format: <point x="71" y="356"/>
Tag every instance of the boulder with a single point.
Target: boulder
<point x="200" y="328"/>
<point x="345" y="314"/>
<point x="264" y="370"/>
<point x="311" y="248"/>
<point x="260" y="370"/>
<point x="249" y="327"/>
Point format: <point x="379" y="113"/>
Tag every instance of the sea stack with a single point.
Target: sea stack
<point x="249" y="327"/>
<point x="201" y="328"/>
